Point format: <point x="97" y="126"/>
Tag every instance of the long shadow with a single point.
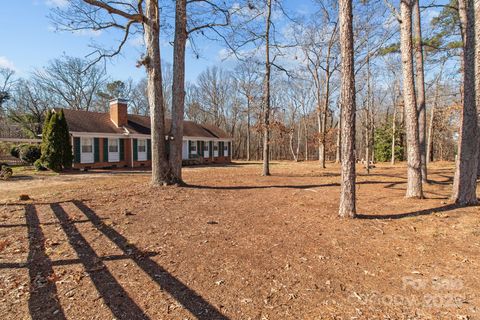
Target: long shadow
<point x="115" y="297"/>
<point x="43" y="302"/>
<point x="191" y="300"/>
<point x="300" y="186"/>
<point x="412" y="214"/>
<point x="19" y="225"/>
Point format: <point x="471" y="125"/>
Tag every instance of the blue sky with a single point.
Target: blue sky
<point x="29" y="41"/>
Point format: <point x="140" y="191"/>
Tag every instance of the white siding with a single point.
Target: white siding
<point x="185" y="150"/>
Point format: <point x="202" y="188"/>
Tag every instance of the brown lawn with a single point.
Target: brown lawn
<point x="234" y="245"/>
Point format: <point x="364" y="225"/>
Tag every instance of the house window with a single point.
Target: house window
<point x="215" y="149"/>
<point x="86" y="155"/>
<point x="142" y="149"/>
<point x="87" y="145"/>
<point x="225" y="149"/>
<point x="113" y="154"/>
<point x="193" y="149"/>
<point x="205" y="146"/>
<point x="112" y="145"/>
<point x="142" y="145"/>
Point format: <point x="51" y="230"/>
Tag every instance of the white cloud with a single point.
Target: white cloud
<point x="5" y="63"/>
<point x="88" y="33"/>
<point x="56" y="3"/>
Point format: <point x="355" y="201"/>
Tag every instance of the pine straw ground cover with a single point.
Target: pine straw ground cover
<point x="234" y="245"/>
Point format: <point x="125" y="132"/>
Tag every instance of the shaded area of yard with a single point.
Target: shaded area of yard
<point x="234" y="245"/>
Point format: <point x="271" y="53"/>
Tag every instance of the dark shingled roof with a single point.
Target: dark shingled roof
<point x="97" y="122"/>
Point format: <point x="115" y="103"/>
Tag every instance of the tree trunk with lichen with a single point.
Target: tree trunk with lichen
<point x="347" y="207"/>
<point x="266" y="95"/>
<point x="414" y="171"/>
<point x="421" y="105"/>
<point x="465" y="180"/>
<point x="178" y="90"/>
<point x="161" y="173"/>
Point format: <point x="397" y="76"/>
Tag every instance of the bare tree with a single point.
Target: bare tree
<point x="318" y="44"/>
<point x="6" y="83"/>
<point x="347" y="208"/>
<point x="266" y="93"/>
<point x="247" y="77"/>
<point x="464" y="183"/>
<point x="29" y="105"/>
<point x="70" y="83"/>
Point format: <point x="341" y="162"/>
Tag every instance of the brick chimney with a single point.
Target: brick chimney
<point x="118" y="112"/>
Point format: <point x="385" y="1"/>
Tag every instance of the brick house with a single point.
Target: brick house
<point x="119" y="139"/>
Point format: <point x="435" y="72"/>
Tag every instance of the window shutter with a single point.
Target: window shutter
<point x="76" y="149"/>
<point x="230" y="149"/>
<point x="105" y="149"/>
<point x="149" y="149"/>
<point x="96" y="150"/>
<point x="122" y="149"/>
<point x="210" y="148"/>
<point x="220" y="149"/>
<point x="135" y="150"/>
<point x="189" y="149"/>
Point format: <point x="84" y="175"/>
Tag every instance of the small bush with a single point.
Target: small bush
<point x="39" y="165"/>
<point x="15" y="152"/>
<point x="5" y="172"/>
<point x="29" y="153"/>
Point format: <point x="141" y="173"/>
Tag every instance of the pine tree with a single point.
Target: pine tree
<point x="56" y="147"/>
<point x="65" y="146"/>
<point x="46" y="124"/>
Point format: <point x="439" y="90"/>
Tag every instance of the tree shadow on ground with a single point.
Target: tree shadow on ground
<point x="44" y="301"/>
<point x="412" y="214"/>
<point x="186" y="296"/>
<point x="273" y="186"/>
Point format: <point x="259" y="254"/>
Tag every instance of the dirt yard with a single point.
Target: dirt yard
<point x="234" y="245"/>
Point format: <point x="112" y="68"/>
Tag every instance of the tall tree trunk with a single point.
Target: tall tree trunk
<point x="326" y="102"/>
<point x="421" y="106"/>
<point x="464" y="183"/>
<point x="477" y="74"/>
<point x="161" y="173"/>
<point x="368" y="110"/>
<point x="367" y="151"/>
<point x="266" y="95"/>
<point x="298" y="139"/>
<point x="320" y="130"/>
<point x="430" y="129"/>
<point x="306" y="138"/>
<point x="394" y="132"/>
<point x="339" y="140"/>
<point x="347" y="207"/>
<point x="178" y="90"/>
<point x="414" y="173"/>
<point x="248" y="128"/>
<point x="290" y="136"/>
